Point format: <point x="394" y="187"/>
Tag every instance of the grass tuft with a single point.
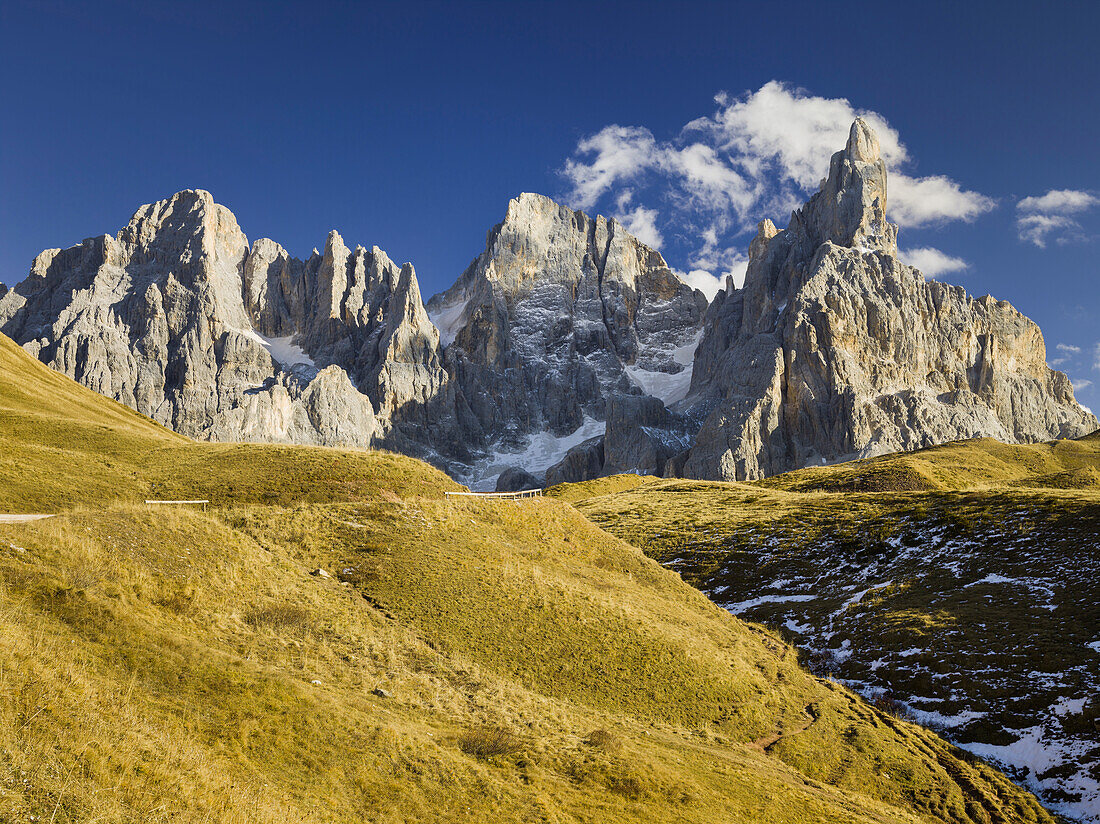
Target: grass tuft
<point x="489" y="742"/>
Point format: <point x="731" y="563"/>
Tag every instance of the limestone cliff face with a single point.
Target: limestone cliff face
<point x="180" y="319"/>
<point x="559" y="312"/>
<point x="835" y="349"/>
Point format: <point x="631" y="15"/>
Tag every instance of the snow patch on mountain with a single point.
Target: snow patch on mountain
<point x="668" y="386"/>
<point x="449" y="320"/>
<point x="284" y="350"/>
<point x="1034" y="754"/>
<point x="538" y="452"/>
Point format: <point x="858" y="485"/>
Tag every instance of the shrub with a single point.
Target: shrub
<point x="278" y="617"/>
<point x="487" y="742"/>
<point x="602" y="739"/>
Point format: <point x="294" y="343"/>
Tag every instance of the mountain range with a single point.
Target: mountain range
<point x="567" y="350"/>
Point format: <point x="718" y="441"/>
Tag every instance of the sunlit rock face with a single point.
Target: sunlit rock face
<point x="561" y="312"/>
<point x="179" y="318"/>
<point x="834" y="348"/>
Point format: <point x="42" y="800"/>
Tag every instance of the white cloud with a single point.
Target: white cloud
<point x="1045" y="216"/>
<point x="620" y="153"/>
<point x="1083" y="383"/>
<point x="924" y="201"/>
<point x="785" y="129"/>
<point x="1036" y="228"/>
<point x="642" y="223"/>
<point x="758" y="155"/>
<point x="1056" y="362"/>
<point x="1065" y="347"/>
<point x="1096" y="357"/>
<point x="932" y="262"/>
<point x="704" y="281"/>
<point x="1059" y="201"/>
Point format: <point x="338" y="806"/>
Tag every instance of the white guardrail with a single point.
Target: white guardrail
<point x="526" y="493"/>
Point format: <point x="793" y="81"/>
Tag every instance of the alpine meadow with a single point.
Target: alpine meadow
<point x="707" y="485"/>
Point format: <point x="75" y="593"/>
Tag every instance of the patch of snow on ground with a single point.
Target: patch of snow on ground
<point x="855" y="599"/>
<point x="794" y="626"/>
<point x="741" y="606"/>
<point x="993" y="578"/>
<point x="1069" y="706"/>
<point x="1034" y="755"/>
<point x="930" y="718"/>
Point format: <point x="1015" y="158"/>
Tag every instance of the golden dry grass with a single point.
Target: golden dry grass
<point x="166" y="665"/>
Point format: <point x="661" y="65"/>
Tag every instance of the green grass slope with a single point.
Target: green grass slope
<point x="468" y="660"/>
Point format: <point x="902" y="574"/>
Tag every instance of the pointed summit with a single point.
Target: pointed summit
<point x="862" y="142"/>
<point x="850" y="208"/>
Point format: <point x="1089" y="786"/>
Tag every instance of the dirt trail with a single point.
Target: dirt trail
<point x="19" y="519"/>
<point x="768" y="741"/>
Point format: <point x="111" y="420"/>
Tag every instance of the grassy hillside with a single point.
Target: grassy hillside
<point x="961" y="593"/>
<point x="463" y="660"/>
<point x="981" y="463"/>
<point x="63" y="446"/>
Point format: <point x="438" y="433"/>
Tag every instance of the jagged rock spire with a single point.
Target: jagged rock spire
<point x="850" y="208"/>
<point x="836" y="349"/>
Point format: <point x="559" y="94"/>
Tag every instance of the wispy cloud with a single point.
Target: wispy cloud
<point x="1083" y="383"/>
<point x="932" y="262"/>
<point x="1068" y="348"/>
<point x="757" y="155"/>
<point x="1064" y="201"/>
<point x="639" y="221"/>
<point x="1045" y="217"/>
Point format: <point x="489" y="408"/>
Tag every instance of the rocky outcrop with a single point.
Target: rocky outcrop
<point x="179" y="318"/>
<point x="581" y="463"/>
<point x="835" y="349"/>
<point x="515" y="479"/>
<point x="642" y="435"/>
<point x="558" y="313"/>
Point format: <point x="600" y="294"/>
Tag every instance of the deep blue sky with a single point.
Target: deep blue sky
<point x="410" y="125"/>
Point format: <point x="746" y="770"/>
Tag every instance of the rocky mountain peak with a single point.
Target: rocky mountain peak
<point x="862" y="143"/>
<point x="180" y="319"/>
<point x="850" y="208"/>
<point x="765" y="231"/>
<point x="834" y="348"/>
<point x="559" y="313"/>
<point x="189" y="224"/>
